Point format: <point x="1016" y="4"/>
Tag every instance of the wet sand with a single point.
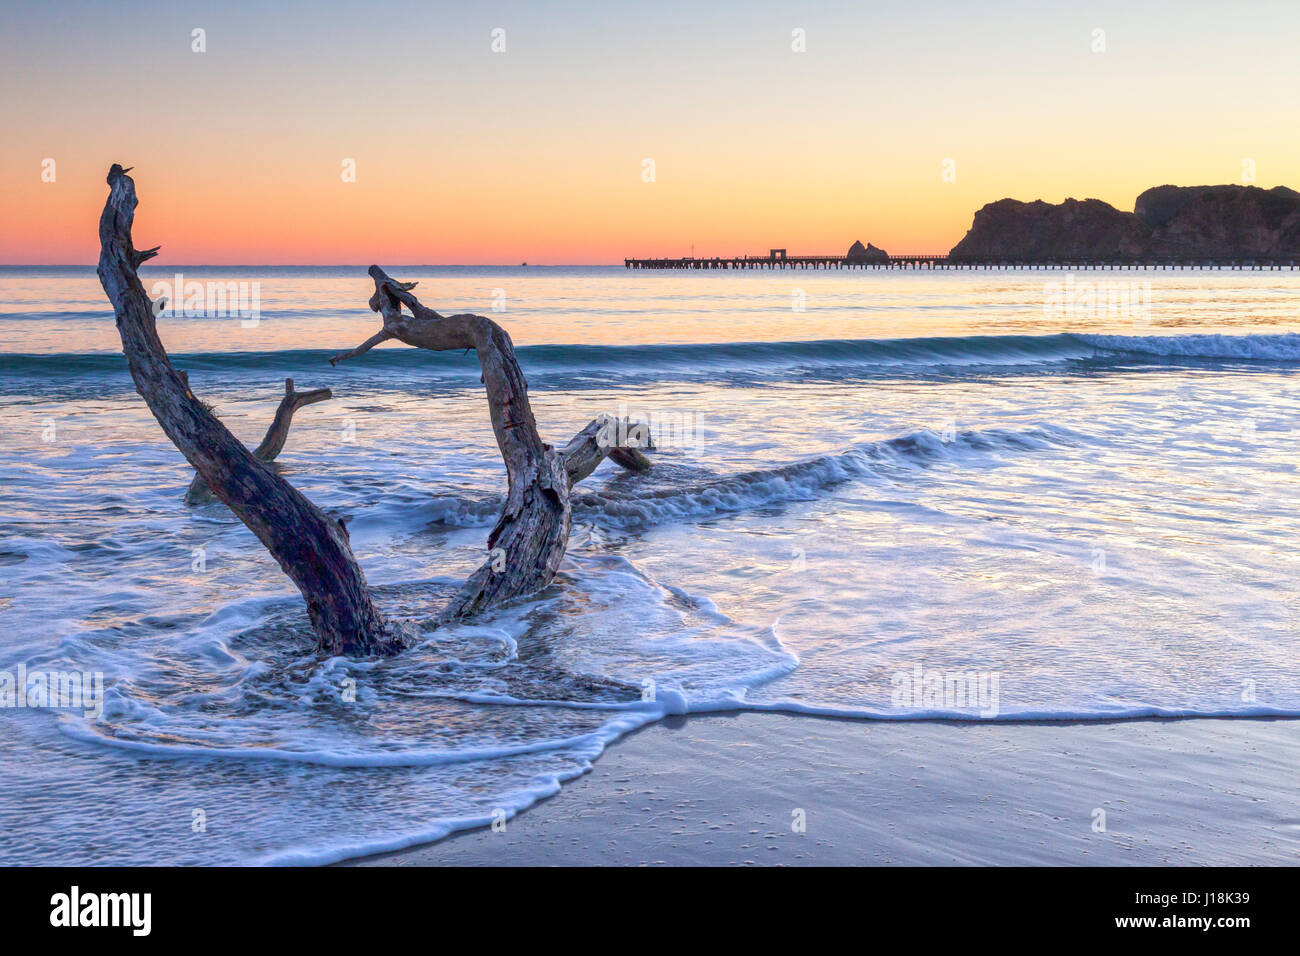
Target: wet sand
<point x="731" y="790"/>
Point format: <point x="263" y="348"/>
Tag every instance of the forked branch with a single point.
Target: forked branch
<point x="273" y="442"/>
<point x="528" y="541"/>
<point x="311" y="548"/>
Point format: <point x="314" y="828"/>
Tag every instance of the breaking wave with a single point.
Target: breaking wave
<point x="578" y="366"/>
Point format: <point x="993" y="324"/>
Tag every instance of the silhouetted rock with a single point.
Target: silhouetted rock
<point x="868" y="253"/>
<point x="1211" y="222"/>
<point x="1221" y="221"/>
<point x="1074" y="229"/>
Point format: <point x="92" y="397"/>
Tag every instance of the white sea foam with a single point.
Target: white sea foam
<point x="803" y="480"/>
<point x="1269" y="348"/>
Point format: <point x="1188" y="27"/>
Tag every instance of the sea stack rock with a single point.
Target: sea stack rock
<point x="868" y="253"/>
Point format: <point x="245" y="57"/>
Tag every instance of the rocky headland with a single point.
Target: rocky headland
<point x="1167" y="222"/>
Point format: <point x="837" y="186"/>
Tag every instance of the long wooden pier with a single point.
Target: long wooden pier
<point x="946" y="262"/>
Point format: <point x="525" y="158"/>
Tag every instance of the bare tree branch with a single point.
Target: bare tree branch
<point x="528" y="541"/>
<point x="361" y="349"/>
<point x="311" y="548"/>
<point x="273" y="442"/>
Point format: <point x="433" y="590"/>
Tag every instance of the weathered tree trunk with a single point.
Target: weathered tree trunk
<point x="528" y="541"/>
<point x="310" y="547"/>
<point x="273" y="442"/>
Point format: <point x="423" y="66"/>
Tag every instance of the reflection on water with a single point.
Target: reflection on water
<point x="64" y="310"/>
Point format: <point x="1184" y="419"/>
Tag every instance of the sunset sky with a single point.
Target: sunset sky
<point x="465" y="155"/>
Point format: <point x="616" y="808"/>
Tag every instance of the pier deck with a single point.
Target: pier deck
<point x="946" y="262"/>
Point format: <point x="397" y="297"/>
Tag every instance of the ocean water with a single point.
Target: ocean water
<point x="884" y="495"/>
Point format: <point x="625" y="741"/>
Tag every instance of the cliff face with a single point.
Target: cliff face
<point x="1223" y="222"/>
<point x="1041" y="230"/>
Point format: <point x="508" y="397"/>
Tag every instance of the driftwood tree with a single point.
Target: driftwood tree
<point x="530" y="536"/>
<point x="273" y="441"/>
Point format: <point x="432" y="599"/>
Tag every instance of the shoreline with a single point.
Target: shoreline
<point x="729" y="790"/>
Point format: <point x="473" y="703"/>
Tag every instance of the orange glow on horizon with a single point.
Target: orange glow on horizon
<point x="535" y="154"/>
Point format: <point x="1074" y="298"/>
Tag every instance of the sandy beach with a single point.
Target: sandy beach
<point x="725" y="790"/>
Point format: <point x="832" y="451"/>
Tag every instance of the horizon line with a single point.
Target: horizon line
<point x="325" y="265"/>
